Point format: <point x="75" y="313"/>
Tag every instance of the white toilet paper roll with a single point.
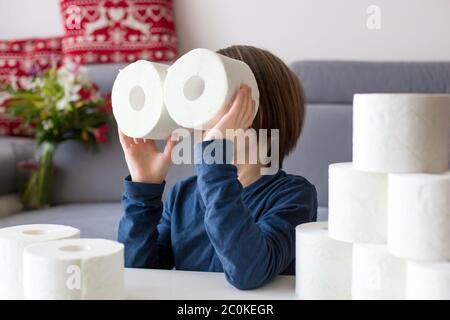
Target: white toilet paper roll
<point x="323" y="265"/>
<point x="74" y="269"/>
<point x="401" y="133"/>
<point x="357" y="204"/>
<point x="377" y="274"/>
<point x="200" y="85"/>
<point x="138" y="101"/>
<point x="13" y="240"/>
<point x="419" y="216"/>
<point x="428" y="280"/>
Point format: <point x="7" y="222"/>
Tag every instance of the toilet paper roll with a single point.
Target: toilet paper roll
<point x="74" y="269"/>
<point x="200" y="85"/>
<point x="13" y="240"/>
<point x="377" y="274"/>
<point x="401" y="133"/>
<point x="419" y="216"/>
<point x="427" y="280"/>
<point x="138" y="101"/>
<point x="323" y="265"/>
<point x="357" y="204"/>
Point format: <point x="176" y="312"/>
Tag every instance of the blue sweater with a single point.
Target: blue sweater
<point x="209" y="222"/>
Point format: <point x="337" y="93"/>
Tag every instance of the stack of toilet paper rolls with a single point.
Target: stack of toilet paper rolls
<point x="46" y="261"/>
<point x="151" y="100"/>
<point x="390" y="207"/>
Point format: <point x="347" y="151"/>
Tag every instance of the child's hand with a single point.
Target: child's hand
<point x="240" y="115"/>
<point x="145" y="162"/>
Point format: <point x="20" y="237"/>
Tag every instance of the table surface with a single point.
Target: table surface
<point x="191" y="285"/>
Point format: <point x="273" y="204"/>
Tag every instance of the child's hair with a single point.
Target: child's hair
<point x="281" y="101"/>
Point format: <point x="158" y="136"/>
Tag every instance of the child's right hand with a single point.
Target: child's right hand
<point x="145" y="162"/>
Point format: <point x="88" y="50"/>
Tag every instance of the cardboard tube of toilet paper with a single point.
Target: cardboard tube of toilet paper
<point x="377" y="274"/>
<point x="200" y="85"/>
<point x="13" y="241"/>
<point x="323" y="265"/>
<point x="357" y="204"/>
<point x="74" y="269"/>
<point x="401" y="133"/>
<point x="138" y="101"/>
<point x="419" y="216"/>
<point x="427" y="280"/>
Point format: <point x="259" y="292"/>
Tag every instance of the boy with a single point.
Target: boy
<point x="228" y="218"/>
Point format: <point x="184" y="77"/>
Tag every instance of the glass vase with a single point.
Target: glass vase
<point x="37" y="191"/>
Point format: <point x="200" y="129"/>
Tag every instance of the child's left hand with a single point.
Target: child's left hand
<point x="240" y="115"/>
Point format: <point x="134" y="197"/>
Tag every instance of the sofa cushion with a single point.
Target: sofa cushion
<point x="337" y="81"/>
<point x="94" y="220"/>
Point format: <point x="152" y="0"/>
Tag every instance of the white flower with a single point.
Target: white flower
<point x="71" y="77"/>
<point x="3" y="97"/>
<point x="26" y="83"/>
<point x="47" y="124"/>
<point x="62" y="103"/>
<point x="68" y="64"/>
<point x="74" y="96"/>
<point x="36" y="83"/>
<point x="65" y="76"/>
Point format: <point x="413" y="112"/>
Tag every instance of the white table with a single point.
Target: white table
<point x="178" y="285"/>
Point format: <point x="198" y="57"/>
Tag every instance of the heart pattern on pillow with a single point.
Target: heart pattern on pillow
<point x="105" y="31"/>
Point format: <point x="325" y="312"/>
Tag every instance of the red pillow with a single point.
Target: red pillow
<point x="20" y="60"/>
<point x="103" y="31"/>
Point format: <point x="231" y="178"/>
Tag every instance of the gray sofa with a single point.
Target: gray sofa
<point x="88" y="186"/>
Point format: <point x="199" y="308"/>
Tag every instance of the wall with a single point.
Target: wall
<point x="29" y="18"/>
<point x="293" y="29"/>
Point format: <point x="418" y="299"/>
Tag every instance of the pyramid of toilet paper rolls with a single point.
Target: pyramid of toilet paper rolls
<point x="388" y="234"/>
<point x="51" y="262"/>
<point x="151" y="100"/>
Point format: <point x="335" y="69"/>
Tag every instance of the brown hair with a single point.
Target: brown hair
<point x="281" y="102"/>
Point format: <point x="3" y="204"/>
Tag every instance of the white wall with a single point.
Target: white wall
<point x="293" y="29"/>
<point x="29" y="18"/>
<point x="328" y="29"/>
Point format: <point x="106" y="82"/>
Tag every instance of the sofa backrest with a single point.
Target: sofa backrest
<point x="97" y="176"/>
<point x="326" y="139"/>
<point x="335" y="82"/>
<point x="329" y="88"/>
<point x="83" y="176"/>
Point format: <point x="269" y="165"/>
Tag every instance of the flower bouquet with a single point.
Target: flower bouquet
<point x="60" y="104"/>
